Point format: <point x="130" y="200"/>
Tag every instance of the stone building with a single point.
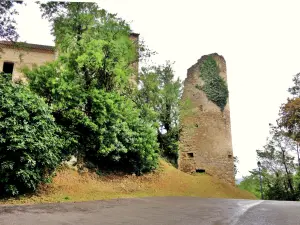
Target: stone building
<point x="205" y="140"/>
<point x="15" y="56"/>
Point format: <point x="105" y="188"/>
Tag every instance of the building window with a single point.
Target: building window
<point x="8" y="67"/>
<point x="200" y="170"/>
<point x="190" y="154"/>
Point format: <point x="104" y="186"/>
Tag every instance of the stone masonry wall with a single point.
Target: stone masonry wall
<point x="28" y="58"/>
<point x="205" y="140"/>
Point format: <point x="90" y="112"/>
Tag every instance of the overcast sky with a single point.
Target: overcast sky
<point x="260" y="41"/>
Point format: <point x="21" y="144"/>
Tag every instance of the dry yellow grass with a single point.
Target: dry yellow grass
<point x="70" y="186"/>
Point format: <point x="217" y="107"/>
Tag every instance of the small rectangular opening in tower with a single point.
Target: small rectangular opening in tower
<point x="229" y="156"/>
<point x="8" y="67"/>
<point x="190" y="154"/>
<point x="200" y="170"/>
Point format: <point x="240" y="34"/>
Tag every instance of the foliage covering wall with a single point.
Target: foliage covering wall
<point x="215" y="86"/>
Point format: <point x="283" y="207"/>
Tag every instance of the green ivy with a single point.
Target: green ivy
<point x="215" y="86"/>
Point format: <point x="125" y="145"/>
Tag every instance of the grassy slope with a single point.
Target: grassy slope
<point x="69" y="185"/>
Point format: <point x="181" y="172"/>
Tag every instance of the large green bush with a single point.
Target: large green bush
<point x="29" y="141"/>
<point x="124" y="140"/>
<point x="111" y="133"/>
<point x="169" y="145"/>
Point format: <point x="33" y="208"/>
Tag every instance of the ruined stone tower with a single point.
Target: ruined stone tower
<point x="205" y="140"/>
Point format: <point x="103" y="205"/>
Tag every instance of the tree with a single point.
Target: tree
<point x="85" y="88"/>
<point x="125" y="141"/>
<point x="92" y="42"/>
<point x="289" y="119"/>
<point x="30" y="143"/>
<point x="251" y="183"/>
<point x="276" y="159"/>
<point x="295" y="90"/>
<point x="7" y="21"/>
<point x="161" y="93"/>
<point x="236" y="162"/>
<point x="280" y="171"/>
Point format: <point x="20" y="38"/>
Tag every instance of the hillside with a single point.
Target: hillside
<point x="69" y="185"/>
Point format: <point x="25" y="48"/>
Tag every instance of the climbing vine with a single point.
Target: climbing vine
<point x="215" y="86"/>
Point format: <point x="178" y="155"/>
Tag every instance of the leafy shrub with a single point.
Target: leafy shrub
<point x="29" y="141"/>
<point x="101" y="127"/>
<point x="124" y="141"/>
<point x="159" y="100"/>
<point x="62" y="91"/>
<point x="169" y="145"/>
<point x="215" y="86"/>
<point x="251" y="183"/>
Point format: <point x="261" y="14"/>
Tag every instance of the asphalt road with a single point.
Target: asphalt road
<point x="156" y="211"/>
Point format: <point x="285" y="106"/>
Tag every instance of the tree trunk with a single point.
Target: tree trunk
<point x="289" y="179"/>
<point x="168" y="116"/>
<point x="298" y="155"/>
